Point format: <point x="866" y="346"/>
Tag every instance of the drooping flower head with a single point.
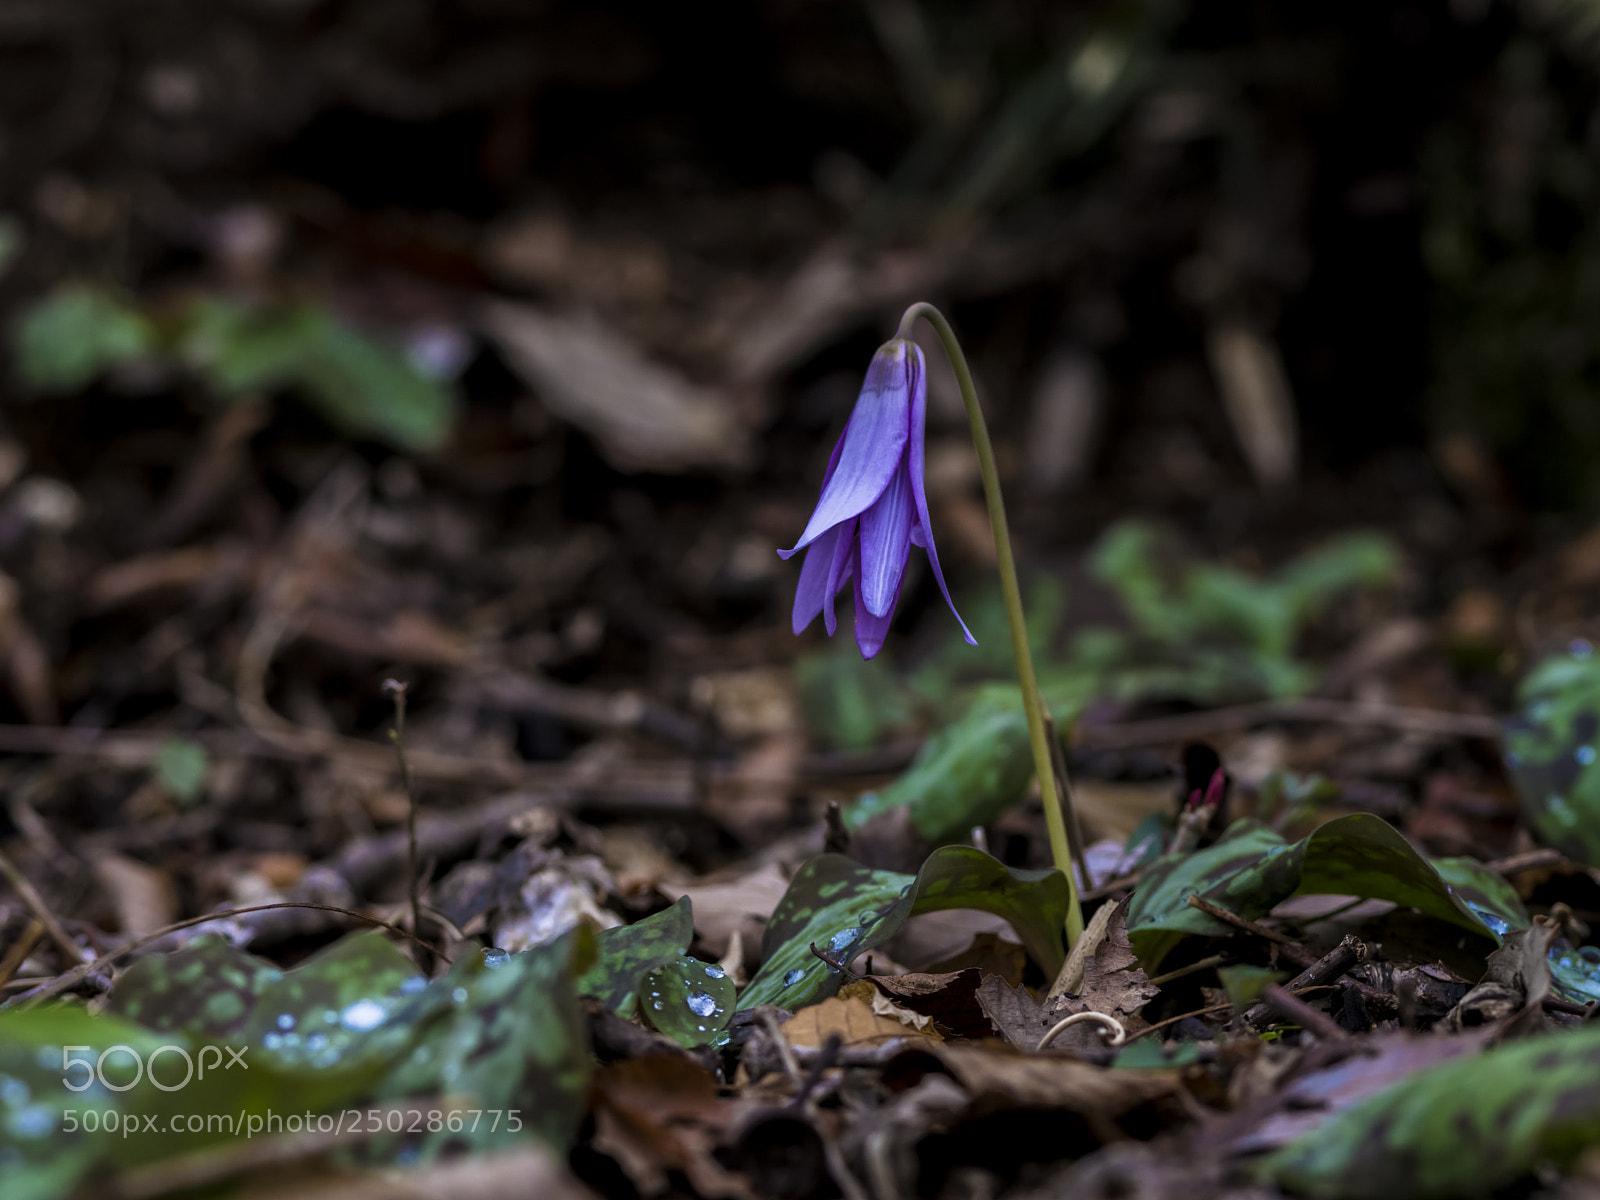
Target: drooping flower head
<point x="874" y="504"/>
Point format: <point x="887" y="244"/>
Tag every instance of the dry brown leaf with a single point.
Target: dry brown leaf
<point x="851" y="1017"/>
<point x="744" y="904"/>
<point x="643" y="414"/>
<point x="752" y="800"/>
<point x="1012" y="1011"/>
<point x="950" y="999"/>
<point x="663" y="1113"/>
<point x="142" y="895"/>
<point x="1002" y="1075"/>
<point x="1113" y="982"/>
<point x="991" y="954"/>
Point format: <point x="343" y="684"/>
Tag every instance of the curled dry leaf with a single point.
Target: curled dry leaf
<point x="854" y="1015"/>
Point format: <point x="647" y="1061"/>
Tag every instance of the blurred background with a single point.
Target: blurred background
<point x="495" y="345"/>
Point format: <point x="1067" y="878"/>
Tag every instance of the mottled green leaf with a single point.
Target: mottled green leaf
<point x="1551" y="750"/>
<point x="966" y="774"/>
<point x="68" y="339"/>
<point x="134" y="1082"/>
<point x="628" y="951"/>
<point x="506" y="1031"/>
<point x="1465" y="1128"/>
<point x="1251" y="869"/>
<point x="1158" y="915"/>
<point x="1575" y="973"/>
<point x="845" y="909"/>
<point x="688" y="1000"/>
<point x="208" y="989"/>
<point x="1487" y="894"/>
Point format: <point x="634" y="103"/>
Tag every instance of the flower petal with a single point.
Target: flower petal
<point x="886" y="544"/>
<point x="843" y="560"/>
<point x="813" y="591"/>
<point x="870" y="630"/>
<point x="918" y="379"/>
<point x="873" y="444"/>
<point x="827" y="476"/>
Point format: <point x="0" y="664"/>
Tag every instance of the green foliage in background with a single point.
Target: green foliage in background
<point x="1208" y="633"/>
<point x="69" y="339"/>
<point x="1551" y="748"/>
<point x="1202" y="633"/>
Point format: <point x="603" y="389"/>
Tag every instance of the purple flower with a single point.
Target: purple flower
<point x="874" y="505"/>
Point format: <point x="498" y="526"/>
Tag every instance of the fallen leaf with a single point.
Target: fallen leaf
<point x="949" y="999"/>
<point x="1012" y="1011"/>
<point x="849" y="1015"/>
<point x="1113" y="981"/>
<point x="644" y="415"/>
<point x="1004" y="1077"/>
<point x="658" y="1114"/>
<point x="742" y="905"/>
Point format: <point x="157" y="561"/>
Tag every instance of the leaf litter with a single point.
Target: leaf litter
<point x="254" y="499"/>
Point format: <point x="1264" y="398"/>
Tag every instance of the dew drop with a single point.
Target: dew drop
<point x="363" y="1014"/>
<point x="1580" y="648"/>
<point x="459" y="995"/>
<point x="35" y="1121"/>
<point x="496" y="957"/>
<point x="656" y="1005"/>
<point x="793" y="977"/>
<point x="1584" y="754"/>
<point x="412" y="984"/>
<point x="701" y="1004"/>
<point x="843" y="940"/>
<point x="715" y="972"/>
<point x="285" y="1020"/>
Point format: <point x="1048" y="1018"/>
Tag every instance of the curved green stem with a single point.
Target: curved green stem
<point x="1032" y="703"/>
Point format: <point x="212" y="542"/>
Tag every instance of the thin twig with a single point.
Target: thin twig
<point x="837" y="964"/>
<point x="397" y="735"/>
<point x="1297" y="1012"/>
<point x="791" y="1068"/>
<point x="1238" y="922"/>
<point x="20" y="949"/>
<point x="70" y="979"/>
<point x="1214" y="960"/>
<point x="41" y="911"/>
<point x="1207" y="1011"/>
<point x="1532" y="860"/>
<point x="1325" y="970"/>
